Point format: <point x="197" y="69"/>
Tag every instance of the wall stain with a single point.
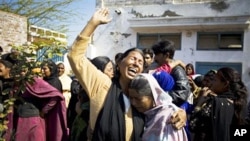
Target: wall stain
<point x="125" y="35"/>
<point x="219" y="6"/>
<point x="167" y="13"/>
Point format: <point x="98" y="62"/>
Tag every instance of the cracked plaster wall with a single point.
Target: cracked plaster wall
<point x="110" y="39"/>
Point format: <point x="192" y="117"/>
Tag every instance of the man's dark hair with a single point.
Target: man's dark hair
<point x="164" y="47"/>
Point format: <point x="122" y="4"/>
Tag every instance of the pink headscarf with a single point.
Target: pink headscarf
<point x="157" y="127"/>
<point x="160" y="96"/>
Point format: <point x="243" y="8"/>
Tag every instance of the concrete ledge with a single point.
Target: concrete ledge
<point x="239" y="22"/>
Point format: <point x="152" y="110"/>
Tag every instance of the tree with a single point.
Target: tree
<point x="51" y="14"/>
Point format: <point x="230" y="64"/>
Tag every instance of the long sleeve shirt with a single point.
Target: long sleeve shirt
<point x="95" y="83"/>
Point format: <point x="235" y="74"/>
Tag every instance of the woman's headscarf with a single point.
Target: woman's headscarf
<point x="160" y="96"/>
<point x="157" y="126"/>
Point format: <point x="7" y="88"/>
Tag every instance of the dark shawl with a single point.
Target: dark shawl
<point x="222" y="117"/>
<point x="213" y="121"/>
<point x="53" y="79"/>
<point x="110" y="124"/>
<point x="71" y="112"/>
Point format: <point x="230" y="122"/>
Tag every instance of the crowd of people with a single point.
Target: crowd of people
<point x="143" y="95"/>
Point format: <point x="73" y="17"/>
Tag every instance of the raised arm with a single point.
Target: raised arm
<point x="89" y="77"/>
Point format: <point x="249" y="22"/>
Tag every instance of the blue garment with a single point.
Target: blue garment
<point x="165" y="80"/>
<point x="188" y="108"/>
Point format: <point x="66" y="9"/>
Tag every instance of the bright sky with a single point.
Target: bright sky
<point x="85" y="8"/>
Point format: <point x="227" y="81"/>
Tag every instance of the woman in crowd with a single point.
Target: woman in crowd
<point x="205" y="81"/>
<point x="104" y="64"/>
<point x="80" y="123"/>
<point x="65" y="81"/>
<point x="42" y="114"/>
<point x="111" y="116"/>
<point x="50" y="74"/>
<point x="219" y="107"/>
<point x="149" y="98"/>
<point x="74" y="90"/>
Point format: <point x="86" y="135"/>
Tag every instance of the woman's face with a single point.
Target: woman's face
<point x="218" y="86"/>
<point x="131" y="65"/>
<point x="141" y="103"/>
<point x="109" y="70"/>
<point x="61" y="69"/>
<point x="46" y="71"/>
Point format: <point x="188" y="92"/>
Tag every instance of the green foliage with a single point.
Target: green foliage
<point x="24" y="72"/>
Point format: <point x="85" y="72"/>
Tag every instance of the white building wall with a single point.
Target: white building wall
<point x="119" y="35"/>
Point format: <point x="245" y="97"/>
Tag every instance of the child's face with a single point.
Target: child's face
<point x="189" y="70"/>
<point x="141" y="103"/>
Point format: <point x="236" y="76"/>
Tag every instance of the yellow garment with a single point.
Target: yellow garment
<point x="95" y="82"/>
<point x="66" y="84"/>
